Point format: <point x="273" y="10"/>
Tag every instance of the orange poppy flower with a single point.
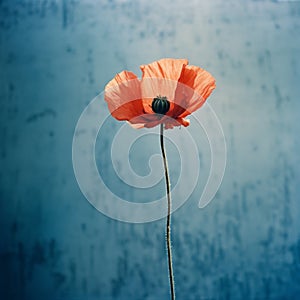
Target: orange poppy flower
<point x="169" y="90"/>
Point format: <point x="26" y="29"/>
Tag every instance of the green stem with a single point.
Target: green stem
<point x="168" y="225"/>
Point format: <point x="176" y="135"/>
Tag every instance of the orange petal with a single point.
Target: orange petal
<point x="196" y="85"/>
<point x="123" y="96"/>
<point x="153" y="87"/>
<point x="169" y="124"/>
<point x="199" y="80"/>
<point x="167" y="68"/>
<point x="151" y="120"/>
<point x="160" y="78"/>
<point x="145" y="120"/>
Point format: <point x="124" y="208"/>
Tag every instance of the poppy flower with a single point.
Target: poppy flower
<point x="168" y="91"/>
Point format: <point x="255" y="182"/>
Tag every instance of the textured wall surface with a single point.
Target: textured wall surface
<point x="55" y="56"/>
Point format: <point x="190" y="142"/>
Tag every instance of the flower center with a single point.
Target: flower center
<point x="160" y="105"/>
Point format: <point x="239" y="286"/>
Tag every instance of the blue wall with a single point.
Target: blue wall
<point x="56" y="56"/>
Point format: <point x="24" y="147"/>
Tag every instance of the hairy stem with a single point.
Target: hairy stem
<point x="168" y="224"/>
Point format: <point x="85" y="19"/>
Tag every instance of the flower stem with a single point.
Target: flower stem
<point x="168" y="224"/>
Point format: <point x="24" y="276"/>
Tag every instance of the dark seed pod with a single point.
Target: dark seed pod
<point x="160" y="105"/>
